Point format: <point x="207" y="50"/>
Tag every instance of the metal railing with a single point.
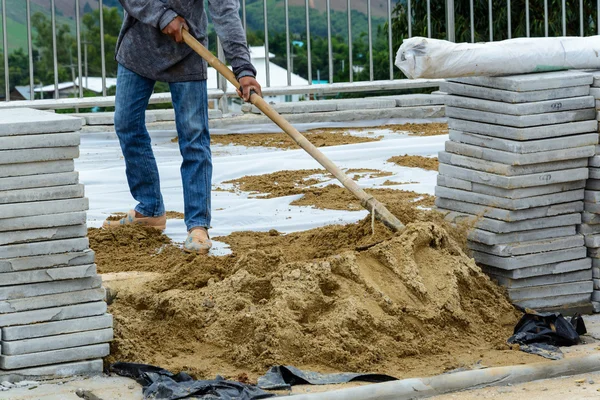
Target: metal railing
<point x="400" y="21"/>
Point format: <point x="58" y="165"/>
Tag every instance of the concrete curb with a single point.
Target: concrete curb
<point x="419" y="388"/>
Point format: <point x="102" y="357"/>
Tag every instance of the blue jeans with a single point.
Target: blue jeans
<point x="190" y="101"/>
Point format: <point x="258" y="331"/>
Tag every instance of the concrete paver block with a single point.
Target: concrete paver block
<point x="592" y="184"/>
<point x="37" y="168"/>
<point x="513" y="182"/>
<point x="27" y="121"/>
<point x="592" y="207"/>
<point x="57" y="327"/>
<point x="532" y="133"/>
<point x="490" y="238"/>
<point x="509" y="215"/>
<point x="302" y="107"/>
<point x="365" y="104"/>
<point x="531" y="82"/>
<point x="519" y="193"/>
<point x="594" y="161"/>
<point x="43" y="208"/>
<point x="594" y="173"/>
<point x="37" y="235"/>
<point x="41" y="194"/>
<point x="53" y="314"/>
<point x="507" y="96"/>
<point x="52" y="300"/>
<point x="47" y="275"/>
<point x="554" y="301"/>
<point x="505" y="157"/>
<point x="596" y="272"/>
<point x="415" y="100"/>
<point x="530" y="260"/>
<point x="64" y="341"/>
<point x="529" y="108"/>
<point x="523" y="248"/>
<point x="508" y="204"/>
<point x="161" y="115"/>
<point x="38" y="181"/>
<point x="54" y="356"/>
<point x="595" y="91"/>
<point x="45" y="288"/>
<point x="44" y="248"/>
<point x="587" y="229"/>
<point x="521" y="121"/>
<point x="68" y="139"/>
<point x="496" y="226"/>
<point x="592" y="241"/>
<point x="560" y="289"/>
<point x="47" y="261"/>
<point x="35" y="155"/>
<point x="583" y="264"/>
<point x="592" y="196"/>
<point x="91" y="367"/>
<point x="589" y="218"/>
<point x="524" y="147"/>
<point x="577" y="276"/>
<point x="42" y="221"/>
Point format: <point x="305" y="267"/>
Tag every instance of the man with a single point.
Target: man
<point x="150" y="48"/>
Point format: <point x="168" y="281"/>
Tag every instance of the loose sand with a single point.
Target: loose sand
<point x="428" y="163"/>
<point x="331" y="299"/>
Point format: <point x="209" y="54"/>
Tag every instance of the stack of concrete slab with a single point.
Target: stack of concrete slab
<point x="590" y="224"/>
<point x="516" y="168"/>
<point x="53" y="317"/>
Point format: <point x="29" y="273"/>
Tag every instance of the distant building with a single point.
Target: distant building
<point x="278" y="77"/>
<point x="66" y="89"/>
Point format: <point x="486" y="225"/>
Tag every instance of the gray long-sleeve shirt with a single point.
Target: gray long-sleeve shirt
<point x="144" y="49"/>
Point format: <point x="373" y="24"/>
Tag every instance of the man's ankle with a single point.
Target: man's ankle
<point x="138" y="215"/>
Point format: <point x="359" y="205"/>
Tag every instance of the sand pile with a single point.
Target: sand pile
<point x="428" y="163"/>
<point x="406" y="306"/>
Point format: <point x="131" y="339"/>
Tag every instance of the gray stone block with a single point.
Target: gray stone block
<point x="513" y="182"/>
<point x="593" y="184"/>
<point x="51" y="300"/>
<point x="596" y="306"/>
<point x="47" y="275"/>
<point x="587" y="229"/>
<point x="57" y="328"/>
<point x="47" y="261"/>
<point x="521" y="121"/>
<point x="507" y="96"/>
<point x="53" y="314"/>
<point x="508" y="170"/>
<point x="532" y="133"/>
<point x="520" y="193"/>
<point x="596" y="284"/>
<point x="589" y="218"/>
<point x="43" y="208"/>
<point x="509" y="215"/>
<point x="592" y="196"/>
<point x="596" y="272"/>
<point x="64" y="341"/>
<point x="161" y="115"/>
<point x="561" y="289"/>
<point x="54" y="356"/>
<point x="508" y="158"/>
<point x="42" y="221"/>
<point x="561" y="268"/>
<point x="107" y="118"/>
<point x="595" y="91"/>
<point x="365" y="104"/>
<point x="529" y="260"/>
<point x="596" y="295"/>
<point x="594" y="161"/>
<point x="35" y="155"/>
<point x="524" y="147"/>
<point x="41" y="194"/>
<point x="593" y="252"/>
<point x="595" y="262"/>
<point x="44" y="248"/>
<point x="27" y="121"/>
<point x="490" y="238"/>
<point x="529" y="108"/>
<point x="531" y="82"/>
<point x="592" y="207"/>
<point x="68" y="139"/>
<point x="508" y="204"/>
<point x="45" y="288"/>
<point x="592" y="240"/>
<point x="492" y="225"/>
<point x="594" y="173"/>
<point x="64" y="370"/>
<point x="302" y="107"/>
<point x="553" y="301"/>
<point x="415" y="100"/>
<point x="38" y="235"/>
<point x="523" y="248"/>
<point x="38" y="181"/>
<point x="38" y="168"/>
<point x="577" y="276"/>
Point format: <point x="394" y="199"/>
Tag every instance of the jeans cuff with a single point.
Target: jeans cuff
<point x="147" y="213"/>
<point x="193" y="225"/>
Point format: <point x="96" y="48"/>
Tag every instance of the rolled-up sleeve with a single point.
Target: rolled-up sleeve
<point x="226" y="18"/>
<point x="151" y="12"/>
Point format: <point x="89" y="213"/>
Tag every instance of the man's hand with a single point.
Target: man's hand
<point x="175" y="28"/>
<point x="247" y="84"/>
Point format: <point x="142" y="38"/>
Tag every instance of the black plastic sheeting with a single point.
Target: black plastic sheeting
<point x="161" y="384"/>
<point x="542" y="333"/>
<point x="284" y="377"/>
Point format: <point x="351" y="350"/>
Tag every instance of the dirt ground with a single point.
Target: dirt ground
<point x="337" y="298"/>
<point x="428" y="163"/>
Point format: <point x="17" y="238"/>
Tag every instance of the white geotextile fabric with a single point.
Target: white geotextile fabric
<point x="420" y="57"/>
<point x="102" y="170"/>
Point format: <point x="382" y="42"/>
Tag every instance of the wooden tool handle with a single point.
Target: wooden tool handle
<point x="367" y="201"/>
